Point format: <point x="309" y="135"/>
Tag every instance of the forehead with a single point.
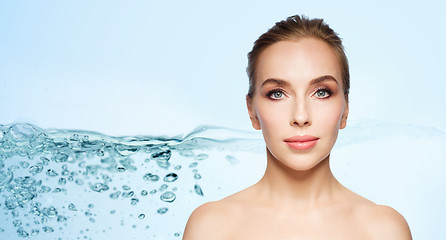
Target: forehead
<point x="298" y="61"/>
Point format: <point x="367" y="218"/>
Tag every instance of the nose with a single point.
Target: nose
<point x="300" y="114"/>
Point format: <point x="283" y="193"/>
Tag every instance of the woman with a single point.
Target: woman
<point x="298" y="97"/>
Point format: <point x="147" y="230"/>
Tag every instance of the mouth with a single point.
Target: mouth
<point x="302" y="142"/>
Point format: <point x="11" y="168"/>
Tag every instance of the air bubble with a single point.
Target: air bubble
<point x="168" y="197"/>
<point x="162" y="210"/>
<point x="171" y="177"/>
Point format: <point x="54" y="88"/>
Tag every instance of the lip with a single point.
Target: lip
<point x="302" y="142"/>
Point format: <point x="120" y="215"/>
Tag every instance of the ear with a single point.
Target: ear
<point x="252" y="113"/>
<point x="344" y="117"/>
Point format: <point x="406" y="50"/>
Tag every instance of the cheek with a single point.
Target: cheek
<point x="270" y="116"/>
<point x="331" y="115"/>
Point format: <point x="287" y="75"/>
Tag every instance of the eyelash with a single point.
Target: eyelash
<point x="277" y="90"/>
<point x="328" y="91"/>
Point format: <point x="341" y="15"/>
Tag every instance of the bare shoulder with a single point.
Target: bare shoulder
<point x="209" y="221"/>
<point x="383" y="222"/>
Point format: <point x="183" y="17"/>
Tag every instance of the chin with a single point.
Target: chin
<point x="304" y="162"/>
<point x="301" y="165"/>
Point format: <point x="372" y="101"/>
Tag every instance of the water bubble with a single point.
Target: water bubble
<point x="60" y="157"/>
<point x="163" y="187"/>
<point x="5" y="179"/>
<point x="165" y="155"/>
<point x="65" y="172"/>
<point x="45" y="160"/>
<point x="125" y="188"/>
<point x="151" y="177"/>
<point x="50" y="212"/>
<point x="34" y="232"/>
<point x="106" y="178"/>
<point x="35" y="169"/>
<point x="17" y="223"/>
<point x="62" y="181"/>
<point x="85" y="138"/>
<point x="78" y="181"/>
<point x="61" y="218"/>
<point x="144" y="193"/>
<point x="177" y="167"/>
<point x="92" y="220"/>
<point x="141" y="216"/>
<point x="197" y="176"/>
<point x="15" y="213"/>
<point x="162" y="158"/>
<point x="202" y="156"/>
<point x="112" y="211"/>
<point x="192" y="165"/>
<point x="21" y="132"/>
<point x="121" y="169"/>
<point x="72" y="207"/>
<point x="128" y="194"/>
<point x="171" y="177"/>
<point x="74" y="137"/>
<point x="91" y="205"/>
<point x="125" y="150"/>
<point x="198" y="190"/>
<point x="232" y="159"/>
<point x="162" y="210"/>
<point x="176" y="234"/>
<point x="134" y="201"/>
<point x="115" y="195"/>
<point x="48" y="229"/>
<point x="153" y="191"/>
<point x="162" y="163"/>
<point x="44" y="189"/>
<point x="100" y="153"/>
<point x="13" y="168"/>
<point x="22" y="233"/>
<point x="24" y="164"/>
<point x="99" y="187"/>
<point x="92" y="169"/>
<point x="168" y="197"/>
<point x="51" y="173"/>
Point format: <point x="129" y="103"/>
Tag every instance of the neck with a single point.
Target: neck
<point x="286" y="186"/>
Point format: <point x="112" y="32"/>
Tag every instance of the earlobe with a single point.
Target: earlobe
<point x="344" y="118"/>
<point x="252" y="114"/>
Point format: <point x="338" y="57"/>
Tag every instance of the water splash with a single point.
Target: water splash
<point x="49" y="178"/>
<point x="52" y="180"/>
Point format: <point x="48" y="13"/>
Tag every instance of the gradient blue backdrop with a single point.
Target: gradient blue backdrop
<point x="164" y="67"/>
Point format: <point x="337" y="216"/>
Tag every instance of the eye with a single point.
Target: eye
<point x="276" y="94"/>
<point x="322" y="93"/>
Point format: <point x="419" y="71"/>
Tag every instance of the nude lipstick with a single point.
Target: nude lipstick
<point x="302" y="142"/>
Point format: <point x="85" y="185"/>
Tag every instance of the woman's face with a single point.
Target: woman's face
<point x="299" y="92"/>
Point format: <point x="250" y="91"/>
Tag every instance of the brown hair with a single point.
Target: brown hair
<point x="293" y="28"/>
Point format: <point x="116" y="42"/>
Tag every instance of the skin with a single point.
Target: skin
<point x="299" y="91"/>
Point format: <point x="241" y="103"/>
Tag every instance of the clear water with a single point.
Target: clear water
<point x="86" y="185"/>
<point x="71" y="184"/>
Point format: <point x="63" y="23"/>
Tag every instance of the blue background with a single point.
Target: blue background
<point x="165" y="67"/>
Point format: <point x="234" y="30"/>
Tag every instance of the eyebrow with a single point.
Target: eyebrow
<point x="313" y="81"/>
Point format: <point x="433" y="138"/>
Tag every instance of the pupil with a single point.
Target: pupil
<point x="277" y="95"/>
